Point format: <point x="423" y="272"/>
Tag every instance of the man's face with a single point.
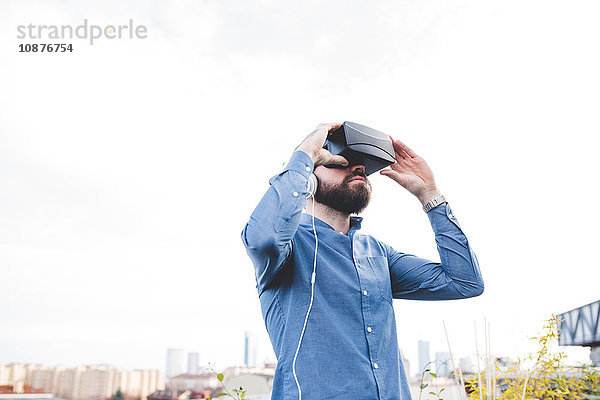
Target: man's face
<point x="347" y="190"/>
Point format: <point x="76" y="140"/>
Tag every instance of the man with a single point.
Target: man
<point x="336" y="339"/>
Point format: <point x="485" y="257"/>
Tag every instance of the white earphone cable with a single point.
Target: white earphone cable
<point x="312" y="293"/>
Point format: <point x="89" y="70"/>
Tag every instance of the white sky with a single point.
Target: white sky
<point x="128" y="168"/>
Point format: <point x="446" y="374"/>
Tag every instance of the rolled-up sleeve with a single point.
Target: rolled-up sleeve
<point x="456" y="276"/>
<point x="268" y="234"/>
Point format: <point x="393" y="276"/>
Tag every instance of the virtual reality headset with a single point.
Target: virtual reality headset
<point x="360" y="144"/>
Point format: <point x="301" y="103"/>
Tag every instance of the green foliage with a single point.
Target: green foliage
<point x="238" y="394"/>
<point x="437" y="395"/>
<point x="422" y="385"/>
<point x="547" y="379"/>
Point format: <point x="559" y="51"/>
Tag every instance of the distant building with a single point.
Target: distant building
<point x="193" y="382"/>
<point x="249" y="349"/>
<point x="174" y="362"/>
<point x="67" y="383"/>
<point x="84" y="383"/>
<point x="466" y="365"/>
<point x="45" y="378"/>
<point x="95" y="383"/>
<point x="424" y="356"/>
<point x="193" y="363"/>
<point x="443" y="364"/>
<point x="257" y="381"/>
<point x="185" y="395"/>
<point x="12" y="373"/>
<point x="139" y="383"/>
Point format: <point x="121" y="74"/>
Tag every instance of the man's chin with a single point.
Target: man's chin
<point x="351" y="197"/>
<point x="359" y="187"/>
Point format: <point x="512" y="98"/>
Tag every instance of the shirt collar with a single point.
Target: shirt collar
<point x="306" y="220"/>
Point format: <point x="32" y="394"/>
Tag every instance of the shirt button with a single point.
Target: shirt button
<point x="295" y="194"/>
<point x="307" y="169"/>
<point x="375" y="365"/>
<point x="365" y="292"/>
<point x="369" y="329"/>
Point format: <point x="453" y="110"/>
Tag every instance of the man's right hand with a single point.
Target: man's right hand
<point x="313" y="146"/>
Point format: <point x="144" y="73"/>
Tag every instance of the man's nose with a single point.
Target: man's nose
<point x="356" y="167"/>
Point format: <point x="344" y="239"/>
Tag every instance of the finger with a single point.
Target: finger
<point x="400" y="155"/>
<point x="396" y="176"/>
<point x="329" y="126"/>
<point x="402" y="148"/>
<point x="323" y="130"/>
<point x="393" y="166"/>
<point x="338" y="160"/>
<point x="396" y="166"/>
<point x="402" y="167"/>
<point x="402" y="158"/>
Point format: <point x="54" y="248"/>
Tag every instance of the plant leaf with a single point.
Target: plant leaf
<point x="423" y="385"/>
<point x="220" y="377"/>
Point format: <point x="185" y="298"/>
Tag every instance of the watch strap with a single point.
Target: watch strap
<point x="433" y="203"/>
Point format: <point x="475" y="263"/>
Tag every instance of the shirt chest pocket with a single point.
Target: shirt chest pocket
<point x="381" y="273"/>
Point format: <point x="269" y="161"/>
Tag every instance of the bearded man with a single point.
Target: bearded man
<point x="326" y="290"/>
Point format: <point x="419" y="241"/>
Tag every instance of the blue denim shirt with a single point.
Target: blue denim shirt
<point x="349" y="349"/>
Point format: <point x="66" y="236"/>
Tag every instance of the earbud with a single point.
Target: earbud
<point x="312" y="185"/>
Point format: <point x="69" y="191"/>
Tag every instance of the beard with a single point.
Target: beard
<point x="343" y="197"/>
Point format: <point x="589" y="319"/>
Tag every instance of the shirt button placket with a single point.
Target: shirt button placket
<point x="366" y="313"/>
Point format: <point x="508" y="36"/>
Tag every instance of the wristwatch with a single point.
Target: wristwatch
<point x="433" y="203"/>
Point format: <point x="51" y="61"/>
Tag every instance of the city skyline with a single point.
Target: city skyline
<point x="83" y="382"/>
<point x="180" y="361"/>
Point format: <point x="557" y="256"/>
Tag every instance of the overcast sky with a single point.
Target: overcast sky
<point x="129" y="167"/>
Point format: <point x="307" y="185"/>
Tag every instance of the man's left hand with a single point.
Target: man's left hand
<point x="412" y="172"/>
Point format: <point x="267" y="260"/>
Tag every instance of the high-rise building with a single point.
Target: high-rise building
<point x="175" y="362"/>
<point x="443" y="363"/>
<point x="68" y="383"/>
<point x="466" y="365"/>
<point x="193" y="363"/>
<point x="424" y="356"/>
<point x="95" y="383"/>
<point x="249" y="349"/>
<point x="13" y="373"/>
<point x="44" y="379"/>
